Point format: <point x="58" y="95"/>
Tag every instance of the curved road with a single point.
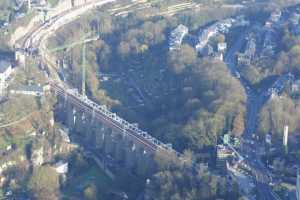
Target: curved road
<point x="255" y="102"/>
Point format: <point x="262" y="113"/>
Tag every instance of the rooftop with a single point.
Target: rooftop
<point x="33" y="88"/>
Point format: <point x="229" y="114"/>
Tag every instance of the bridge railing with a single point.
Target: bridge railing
<point x="132" y="127"/>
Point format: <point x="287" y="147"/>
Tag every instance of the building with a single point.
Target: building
<point x="33" y="90"/>
<point x="222" y="46"/>
<point x="20" y="57"/>
<point x="205" y="36"/>
<point x="285" y="135"/>
<point x="276" y="15"/>
<point x="294" y="19"/>
<point x="221" y="26"/>
<point x="61" y="167"/>
<point x="295" y="86"/>
<point x="269" y="43"/>
<point x="177" y="36"/>
<point x="5" y="72"/>
<point x="208" y="50"/>
<point x="64" y="132"/>
<point x="223" y="154"/>
<point x="218" y="56"/>
<point x="268" y="139"/>
<point x="242" y="59"/>
<point x="250" y="50"/>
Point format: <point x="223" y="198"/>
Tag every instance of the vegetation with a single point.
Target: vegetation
<point x="7" y="8"/>
<point x="181" y="180"/>
<point x="187" y="101"/>
<point x="44" y="183"/>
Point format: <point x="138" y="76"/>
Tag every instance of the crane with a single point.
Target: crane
<point x="86" y="39"/>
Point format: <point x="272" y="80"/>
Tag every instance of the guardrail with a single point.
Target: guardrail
<point x="113" y="117"/>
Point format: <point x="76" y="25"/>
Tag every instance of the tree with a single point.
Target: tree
<point x="238" y="124"/>
<point x="90" y="192"/>
<point x="44" y="183"/>
<point x="183" y="180"/>
<point x="277" y="113"/>
<point x="180" y="59"/>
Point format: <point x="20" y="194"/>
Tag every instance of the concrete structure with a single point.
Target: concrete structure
<point x="5" y="72"/>
<point x="177" y="36"/>
<point x="61" y="167"/>
<point x="112" y="138"/>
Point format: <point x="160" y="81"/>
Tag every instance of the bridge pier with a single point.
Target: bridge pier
<point x="100" y="136"/>
<point x="108" y="142"/>
<point x="112" y="144"/>
<point x="71" y="117"/>
<point x="120" y="149"/>
<point x="130" y="155"/>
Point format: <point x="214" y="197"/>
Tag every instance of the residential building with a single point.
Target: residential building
<point x="205" y="36"/>
<point x="222" y="46"/>
<point x="222" y="26"/>
<point x="64" y="132"/>
<point x="5" y="72"/>
<point x="223" y="154"/>
<point x="208" y="50"/>
<point x="268" y="139"/>
<point x="33" y="90"/>
<point x="276" y="15"/>
<point x="250" y="50"/>
<point x="294" y="19"/>
<point x="177" y="37"/>
<point x="295" y="86"/>
<point x="61" y="167"/>
<point x="242" y="59"/>
<point x="269" y="43"/>
<point x="218" y="56"/>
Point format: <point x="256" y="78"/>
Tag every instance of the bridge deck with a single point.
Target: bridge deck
<point x="111" y="119"/>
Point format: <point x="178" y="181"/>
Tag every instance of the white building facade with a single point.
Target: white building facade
<point x="5" y="72"/>
<point x="177" y="36"/>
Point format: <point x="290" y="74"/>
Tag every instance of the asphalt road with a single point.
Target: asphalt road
<point x="255" y="102"/>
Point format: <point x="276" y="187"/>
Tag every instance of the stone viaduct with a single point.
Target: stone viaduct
<point x="97" y="129"/>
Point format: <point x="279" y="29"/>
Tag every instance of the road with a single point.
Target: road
<point x="255" y="102"/>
